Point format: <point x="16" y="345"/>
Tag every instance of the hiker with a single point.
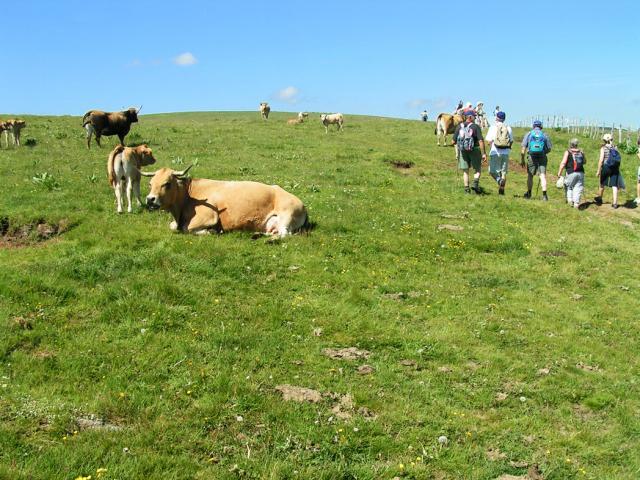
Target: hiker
<point x="424" y="116"/>
<point x="468" y="138"/>
<point x="500" y="137"/>
<point x="573" y="162"/>
<point x="495" y="112"/>
<point x="458" y="109"/>
<point x="637" y="200"/>
<point x="609" y="170"/>
<point x="537" y="145"/>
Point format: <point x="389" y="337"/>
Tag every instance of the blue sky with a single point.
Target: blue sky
<point x="367" y="57"/>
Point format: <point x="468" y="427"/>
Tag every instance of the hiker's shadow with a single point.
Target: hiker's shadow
<point x="630" y="204"/>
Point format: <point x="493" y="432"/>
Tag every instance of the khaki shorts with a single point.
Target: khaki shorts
<point x="470" y="159"/>
<point x="537" y="164"/>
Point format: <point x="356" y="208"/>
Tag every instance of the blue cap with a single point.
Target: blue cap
<point x="469" y="113"/>
<point x="537" y="123"/>
<point x="501" y="115"/>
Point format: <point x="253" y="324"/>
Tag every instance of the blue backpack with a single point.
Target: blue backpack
<point x="536" y="142"/>
<point x="614" y="157"/>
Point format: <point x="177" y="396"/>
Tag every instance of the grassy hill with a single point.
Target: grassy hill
<point x="150" y="354"/>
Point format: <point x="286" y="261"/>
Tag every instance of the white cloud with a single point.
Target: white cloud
<point x="416" y="103"/>
<point x="288" y="94"/>
<point x="440" y="103"/>
<point x="185" y="59"/>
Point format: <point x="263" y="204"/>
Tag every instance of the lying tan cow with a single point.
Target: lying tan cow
<point x="199" y="205"/>
<point x="294" y="121"/>
<point x="332" y="119"/>
<point x="446" y="125"/>
<point x="123" y="169"/>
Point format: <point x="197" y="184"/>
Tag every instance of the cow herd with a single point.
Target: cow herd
<point x="336" y="119"/>
<point x="197" y="205"/>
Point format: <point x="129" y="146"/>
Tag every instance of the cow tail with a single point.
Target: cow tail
<point x="435" y="130"/>
<point x="110" y="165"/>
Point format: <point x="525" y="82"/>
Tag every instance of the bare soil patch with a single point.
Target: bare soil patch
<point x="349" y="353"/>
<point x="14" y="235"/>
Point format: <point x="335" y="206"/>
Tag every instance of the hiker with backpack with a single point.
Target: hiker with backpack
<point x="609" y="170"/>
<point x="637" y="200"/>
<point x="500" y="137"/>
<point x="573" y="162"/>
<point x="470" y="143"/>
<point x="537" y="145"/>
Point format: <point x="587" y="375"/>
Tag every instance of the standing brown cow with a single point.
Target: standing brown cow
<point x="109" y="123"/>
<point x="446" y="125"/>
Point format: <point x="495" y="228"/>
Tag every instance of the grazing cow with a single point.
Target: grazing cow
<point x="264" y="110"/>
<point x="123" y="168"/>
<point x="11" y="128"/>
<point x="302" y="116"/>
<point x="334" y="118"/>
<point x="109" y="123"/>
<point x="446" y="125"/>
<point x="199" y="205"/>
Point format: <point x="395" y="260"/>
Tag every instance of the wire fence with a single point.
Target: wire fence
<point x="584" y="127"/>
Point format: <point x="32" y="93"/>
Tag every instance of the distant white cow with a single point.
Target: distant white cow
<point x="264" y="110"/>
<point x="123" y="169"/>
<point x="334" y="118"/>
<point x="302" y="116"/>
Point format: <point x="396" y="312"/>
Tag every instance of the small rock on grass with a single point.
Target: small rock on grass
<point x="587" y="368"/>
<point x="501" y="396"/>
<point x="365" y="369"/>
<point x="409" y="363"/>
<point x="494" y="454"/>
<point x="349" y="353"/>
<point x="544" y="371"/>
<point x="451" y="228"/>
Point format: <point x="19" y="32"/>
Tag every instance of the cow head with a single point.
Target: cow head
<point x="323" y="116"/>
<point x="164" y="187"/>
<point x="145" y="155"/>
<point x="131" y="115"/>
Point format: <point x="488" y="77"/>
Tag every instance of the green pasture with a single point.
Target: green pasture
<point x="156" y="355"/>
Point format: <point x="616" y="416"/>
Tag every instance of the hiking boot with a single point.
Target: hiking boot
<point x="614" y="206"/>
<point x="476" y="186"/>
<point x="598" y="200"/>
<point x="545" y="197"/>
<point x="467" y="190"/>
<point x="503" y="181"/>
<point x="637" y="201"/>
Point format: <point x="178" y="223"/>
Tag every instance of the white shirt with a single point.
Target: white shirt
<point x="491" y="136"/>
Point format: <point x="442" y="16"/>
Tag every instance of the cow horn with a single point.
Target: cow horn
<point x="139" y="108"/>
<point x="183" y="172"/>
<point x="147" y="174"/>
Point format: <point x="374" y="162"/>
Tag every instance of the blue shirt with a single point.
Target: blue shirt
<point x="547" y="140"/>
